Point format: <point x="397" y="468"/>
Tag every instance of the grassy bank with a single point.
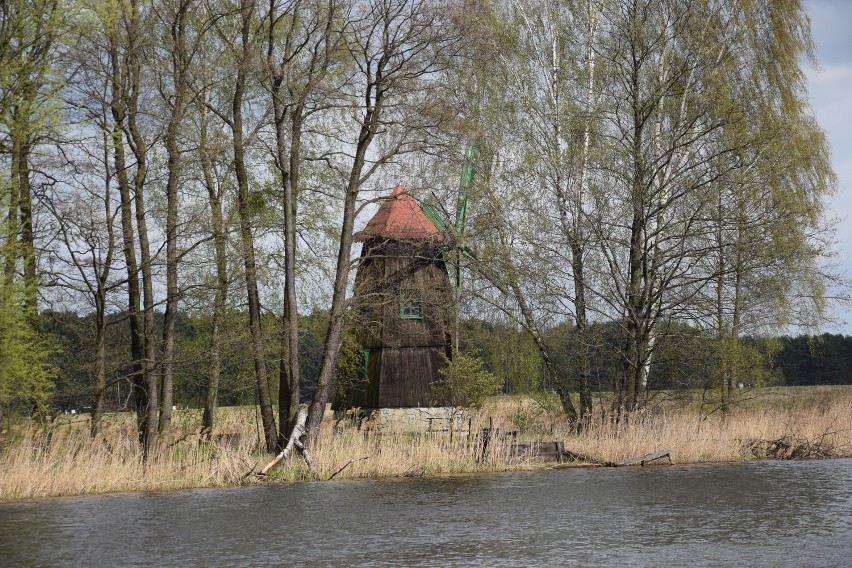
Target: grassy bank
<point x="61" y="458"/>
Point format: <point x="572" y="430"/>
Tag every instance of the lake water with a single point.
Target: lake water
<point x="767" y="513"/>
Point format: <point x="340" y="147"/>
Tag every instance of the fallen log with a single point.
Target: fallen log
<point x="648" y="458"/>
<point x="295" y="441"/>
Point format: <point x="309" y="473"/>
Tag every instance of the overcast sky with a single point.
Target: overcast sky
<point x="830" y="90"/>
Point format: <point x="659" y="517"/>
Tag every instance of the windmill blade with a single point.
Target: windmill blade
<point x="468" y="175"/>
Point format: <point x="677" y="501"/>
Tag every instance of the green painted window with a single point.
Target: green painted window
<point x="410" y="304"/>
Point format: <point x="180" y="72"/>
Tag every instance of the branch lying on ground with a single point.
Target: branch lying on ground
<point x="251" y="471"/>
<point x="347" y="464"/>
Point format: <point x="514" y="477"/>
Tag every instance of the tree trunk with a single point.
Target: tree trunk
<point x="338" y="302"/>
<point x="11" y="253"/>
<point x="249" y="262"/>
<point x="27" y="242"/>
<point x="637" y="257"/>
<point x="180" y="62"/>
<point x="100" y="294"/>
<point x="221" y="293"/>
<point x="369" y="127"/>
<point x="244" y="210"/>
<point x="584" y="388"/>
<point x="562" y="390"/>
<point x="118" y="107"/>
<point x="149" y="344"/>
<point x="290" y="371"/>
<point x="129" y="75"/>
<point x="100" y="375"/>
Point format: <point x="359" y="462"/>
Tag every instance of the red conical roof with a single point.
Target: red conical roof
<point x="400" y="217"/>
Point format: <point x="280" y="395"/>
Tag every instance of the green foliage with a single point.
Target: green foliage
<point x="193" y="364"/>
<point x="73" y="357"/>
<point x="25" y="374"/>
<point x="350" y="363"/>
<point x="464" y="383"/>
<point x="507" y="352"/>
<point x="815" y="360"/>
<point x="747" y="363"/>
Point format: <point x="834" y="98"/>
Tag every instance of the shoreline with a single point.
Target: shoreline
<point x="535" y="468"/>
<point x="63" y="461"/>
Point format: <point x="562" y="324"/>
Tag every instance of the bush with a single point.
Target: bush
<point x="464" y="383"/>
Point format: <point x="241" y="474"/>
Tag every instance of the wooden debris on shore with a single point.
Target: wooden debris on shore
<point x="539" y="451"/>
<point x="532" y="451"/>
<point x="554" y="451"/>
<point x="519" y="451"/>
<point x="648" y="458"/>
<point x="347" y="464"/>
<point x="789" y="447"/>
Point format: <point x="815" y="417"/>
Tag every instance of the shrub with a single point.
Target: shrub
<point x="464" y="383"/>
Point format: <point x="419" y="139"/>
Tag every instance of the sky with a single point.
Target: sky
<point x="830" y="89"/>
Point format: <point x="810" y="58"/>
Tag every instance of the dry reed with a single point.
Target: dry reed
<point x="62" y="459"/>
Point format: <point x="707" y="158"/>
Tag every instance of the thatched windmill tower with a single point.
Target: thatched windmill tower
<point x="403" y="307"/>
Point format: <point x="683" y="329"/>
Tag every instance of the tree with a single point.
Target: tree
<point x="237" y="33"/>
<point x="303" y="43"/>
<point x="678" y="96"/>
<point x="765" y="225"/>
<point x="550" y="80"/>
<point x="396" y="49"/>
<point x="177" y="18"/>
<point x="29" y="34"/>
<point x="119" y="34"/>
<point x="214" y="175"/>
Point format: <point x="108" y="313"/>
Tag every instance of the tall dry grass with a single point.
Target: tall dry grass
<point x="695" y="430"/>
<point x="62" y="459"/>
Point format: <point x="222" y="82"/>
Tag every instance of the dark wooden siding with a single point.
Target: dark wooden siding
<point x="405" y="354"/>
<point x="417" y="268"/>
<point x="407" y="374"/>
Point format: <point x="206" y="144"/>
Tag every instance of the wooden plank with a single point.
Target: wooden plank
<point x="647" y="458"/>
<point x="539" y="451"/>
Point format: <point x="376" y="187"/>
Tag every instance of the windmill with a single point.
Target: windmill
<point x="404" y="303"/>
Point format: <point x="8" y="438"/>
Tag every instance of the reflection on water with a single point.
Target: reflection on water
<point x="753" y="514"/>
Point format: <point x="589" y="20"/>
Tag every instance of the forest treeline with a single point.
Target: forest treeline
<point x="189" y="176"/>
<point x="507" y="352"/>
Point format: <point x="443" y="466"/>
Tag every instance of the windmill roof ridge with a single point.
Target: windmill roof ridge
<point x="400" y="217"/>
